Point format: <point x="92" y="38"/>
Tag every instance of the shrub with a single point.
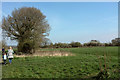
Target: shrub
<point x="75" y="44"/>
<point x="27" y="47"/>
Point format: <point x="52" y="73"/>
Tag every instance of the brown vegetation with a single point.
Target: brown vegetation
<point x="46" y="53"/>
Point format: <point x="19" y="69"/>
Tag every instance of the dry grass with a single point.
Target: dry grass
<point x="47" y="53"/>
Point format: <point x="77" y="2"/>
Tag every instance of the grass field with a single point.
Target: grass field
<point x="85" y="64"/>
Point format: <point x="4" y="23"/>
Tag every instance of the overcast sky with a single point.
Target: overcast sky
<point x="75" y="21"/>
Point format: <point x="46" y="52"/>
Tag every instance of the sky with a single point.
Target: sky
<point x="60" y="0"/>
<point x="74" y="21"/>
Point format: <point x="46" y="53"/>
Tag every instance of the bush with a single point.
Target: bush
<point x="75" y="44"/>
<point x="108" y="44"/>
<point x="27" y="47"/>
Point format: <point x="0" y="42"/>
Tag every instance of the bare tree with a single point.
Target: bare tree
<point x="28" y="26"/>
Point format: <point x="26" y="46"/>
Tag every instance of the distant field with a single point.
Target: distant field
<point x="85" y="64"/>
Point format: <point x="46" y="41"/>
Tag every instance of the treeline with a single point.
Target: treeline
<point x="63" y="45"/>
<point x="49" y="44"/>
<point x="74" y="44"/>
<point x="114" y="42"/>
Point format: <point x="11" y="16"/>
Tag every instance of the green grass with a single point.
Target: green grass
<point x="84" y="65"/>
